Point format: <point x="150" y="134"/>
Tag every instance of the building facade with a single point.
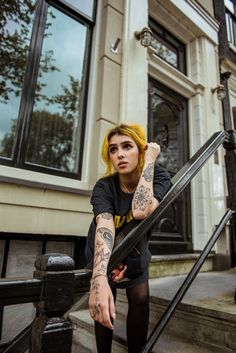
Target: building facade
<point x="70" y="71"/>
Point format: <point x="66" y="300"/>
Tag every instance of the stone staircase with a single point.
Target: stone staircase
<point x="205" y="321"/>
<point x="179" y="264"/>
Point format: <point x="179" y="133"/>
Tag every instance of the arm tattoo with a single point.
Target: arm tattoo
<point x="98" y="244"/>
<point x="106" y="215"/>
<point x="142" y="198"/>
<point x="100" y="257"/>
<point x="106" y="235"/>
<point x="148" y="172"/>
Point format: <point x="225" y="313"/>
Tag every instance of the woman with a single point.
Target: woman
<point x="132" y="189"/>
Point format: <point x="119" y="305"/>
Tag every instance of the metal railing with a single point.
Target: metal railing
<point x="56" y="283"/>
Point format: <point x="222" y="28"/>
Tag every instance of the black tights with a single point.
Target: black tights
<point x="136" y="325"/>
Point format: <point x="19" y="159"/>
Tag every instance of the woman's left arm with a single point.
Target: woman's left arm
<point x="144" y="202"/>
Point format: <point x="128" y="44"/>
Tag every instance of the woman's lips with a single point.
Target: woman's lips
<point x="122" y="164"/>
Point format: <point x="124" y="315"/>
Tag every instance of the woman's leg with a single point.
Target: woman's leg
<point x="104" y="335"/>
<point x="138" y="316"/>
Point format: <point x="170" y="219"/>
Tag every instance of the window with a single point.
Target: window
<point x="230" y="14"/>
<point x="45" y="50"/>
<point x="167" y="47"/>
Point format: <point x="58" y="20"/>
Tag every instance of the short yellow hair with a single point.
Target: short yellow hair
<point x="135" y="132"/>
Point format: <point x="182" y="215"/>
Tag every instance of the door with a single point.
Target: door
<point x="168" y="126"/>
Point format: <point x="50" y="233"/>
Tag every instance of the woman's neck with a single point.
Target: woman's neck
<point x="129" y="180"/>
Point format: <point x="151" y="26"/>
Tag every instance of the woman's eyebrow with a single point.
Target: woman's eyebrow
<point x="122" y="143"/>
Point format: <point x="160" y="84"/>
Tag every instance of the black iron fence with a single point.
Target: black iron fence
<point x="56" y="285"/>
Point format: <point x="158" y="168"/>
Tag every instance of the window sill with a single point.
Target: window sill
<point x="43" y="181"/>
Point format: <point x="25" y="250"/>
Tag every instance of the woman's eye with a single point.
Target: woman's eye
<point x="112" y="150"/>
<point x="127" y="146"/>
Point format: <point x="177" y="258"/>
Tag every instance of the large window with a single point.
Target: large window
<point x="168" y="47"/>
<point x="45" y="50"/>
<point x="230" y="13"/>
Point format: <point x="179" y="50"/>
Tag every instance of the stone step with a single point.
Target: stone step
<point x="207" y="313"/>
<point x="83" y="334"/>
<point x="179" y="264"/>
<point x="204" y="322"/>
<point x="83" y="338"/>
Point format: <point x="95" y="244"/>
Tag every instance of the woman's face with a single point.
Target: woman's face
<point x="124" y="154"/>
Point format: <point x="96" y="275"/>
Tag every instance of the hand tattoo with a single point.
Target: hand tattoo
<point x="95" y="288"/>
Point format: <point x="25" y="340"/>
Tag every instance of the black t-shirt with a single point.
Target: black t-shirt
<point x="108" y="197"/>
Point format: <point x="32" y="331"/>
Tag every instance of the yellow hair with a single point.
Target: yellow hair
<point x="135" y="132"/>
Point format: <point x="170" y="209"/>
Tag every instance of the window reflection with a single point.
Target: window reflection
<point x="165" y="133"/>
<point x="85" y="6"/>
<point x="168" y="54"/>
<point x="167" y="46"/>
<point x="55" y="123"/>
<point x="15" y="32"/>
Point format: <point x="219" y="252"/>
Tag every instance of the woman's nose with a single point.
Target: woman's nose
<point x="120" y="154"/>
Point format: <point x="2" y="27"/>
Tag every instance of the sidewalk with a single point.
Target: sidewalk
<point x="211" y="290"/>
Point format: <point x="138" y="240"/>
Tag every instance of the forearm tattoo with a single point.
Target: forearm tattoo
<point x="101" y="256"/>
<point x="142" y="198"/>
<point x="106" y="235"/>
<point x="147" y="174"/>
<point x="106" y="215"/>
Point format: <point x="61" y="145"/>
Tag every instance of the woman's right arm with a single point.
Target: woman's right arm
<point x="101" y="301"/>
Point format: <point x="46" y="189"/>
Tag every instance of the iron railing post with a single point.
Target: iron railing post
<point x="230" y="165"/>
<point x="51" y="332"/>
<point x="155" y="334"/>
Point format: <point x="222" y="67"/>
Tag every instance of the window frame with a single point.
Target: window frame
<point x="230" y="19"/>
<point x="29" y="84"/>
<point x="170" y="39"/>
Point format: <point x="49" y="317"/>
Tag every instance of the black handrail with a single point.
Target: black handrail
<point x="19" y="291"/>
<point x="155" y="334"/>
<point x="22" y="290"/>
<point x="180" y="181"/>
<point x="19" y="344"/>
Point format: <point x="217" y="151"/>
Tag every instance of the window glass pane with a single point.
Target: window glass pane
<point x="55" y="123"/>
<point x="230" y="6"/>
<point x="167" y="46"/>
<point x="85" y="6"/>
<point x="15" y="32"/>
<point x="60" y="247"/>
<point x="21" y="258"/>
<point x="165" y="51"/>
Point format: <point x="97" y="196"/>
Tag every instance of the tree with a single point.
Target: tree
<point x="16" y="19"/>
<point x="52" y="138"/>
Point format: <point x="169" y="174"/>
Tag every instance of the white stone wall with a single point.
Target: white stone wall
<point x="199" y="31"/>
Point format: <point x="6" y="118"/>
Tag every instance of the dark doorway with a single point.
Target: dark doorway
<point x="168" y="126"/>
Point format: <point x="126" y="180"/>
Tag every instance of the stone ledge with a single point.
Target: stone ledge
<point x="173" y="265"/>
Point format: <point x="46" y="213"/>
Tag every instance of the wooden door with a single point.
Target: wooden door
<point x="168" y="126"/>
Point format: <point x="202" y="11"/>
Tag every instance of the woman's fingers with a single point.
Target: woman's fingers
<point x="153" y="150"/>
<point x="112" y="308"/>
<point x="100" y="302"/>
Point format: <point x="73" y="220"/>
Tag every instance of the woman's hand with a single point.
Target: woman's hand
<point x="152" y="151"/>
<point x="101" y="301"/>
<point x="118" y="274"/>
